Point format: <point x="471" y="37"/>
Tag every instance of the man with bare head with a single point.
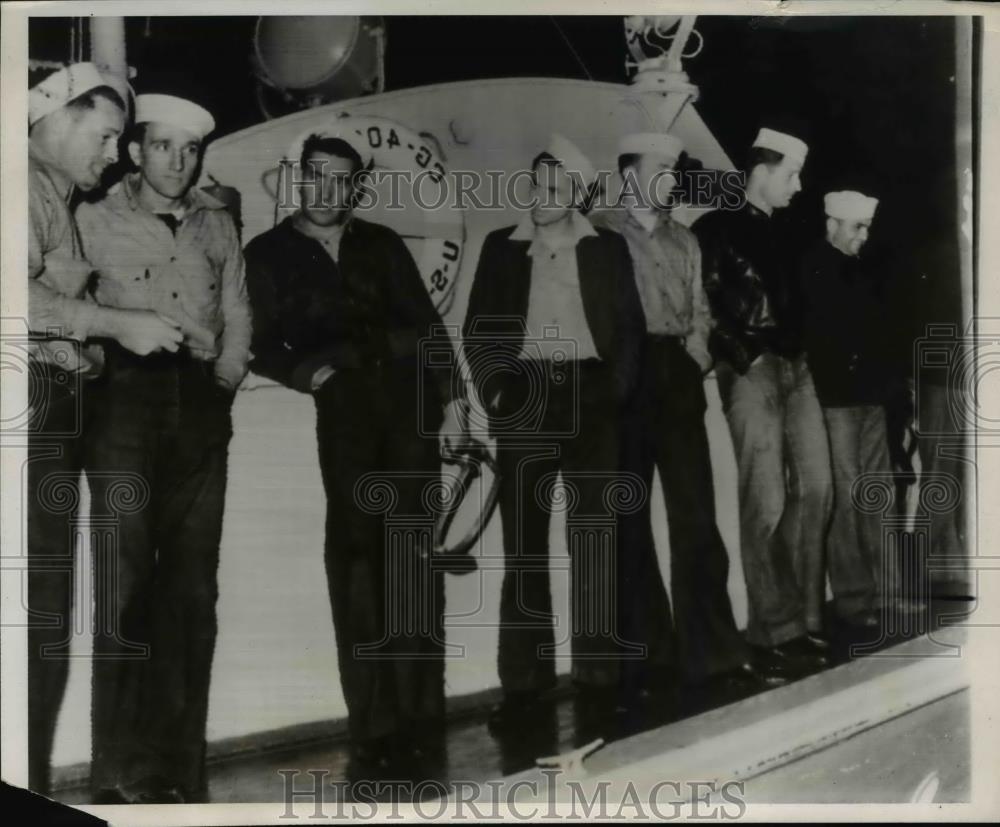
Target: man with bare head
<point x="340" y="312"/>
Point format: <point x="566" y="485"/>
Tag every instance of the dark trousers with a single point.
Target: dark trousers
<point x="568" y="428"/>
<point x="156" y="462"/>
<point x="55" y="460"/>
<point x="862" y="571"/>
<point x="671" y="438"/>
<point x="381" y="476"/>
<point x="785" y="492"/>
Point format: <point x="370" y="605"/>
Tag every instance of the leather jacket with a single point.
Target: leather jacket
<point x="751" y="286"/>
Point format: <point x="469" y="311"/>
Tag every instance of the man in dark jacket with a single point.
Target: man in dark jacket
<point x="770" y="403"/>
<point x="340" y="311"/>
<point x="552" y="339"/>
<point x="845" y="324"/>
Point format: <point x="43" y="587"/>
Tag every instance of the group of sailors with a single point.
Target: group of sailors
<point x="146" y="315"/>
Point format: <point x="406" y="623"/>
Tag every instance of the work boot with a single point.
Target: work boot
<point x="371" y="760"/>
<point x="806" y="653"/>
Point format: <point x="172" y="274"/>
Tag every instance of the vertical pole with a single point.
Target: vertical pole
<point x="965" y="164"/>
<point x="684" y="30"/>
<point x="964" y="157"/>
<point x="107" y="50"/>
<point x="669" y="106"/>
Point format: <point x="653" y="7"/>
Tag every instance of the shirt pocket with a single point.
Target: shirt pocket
<point x="126" y="285"/>
<point x="202" y="280"/>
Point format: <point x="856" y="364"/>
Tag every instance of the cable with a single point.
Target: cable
<point x="701" y="45"/>
<point x="379" y="33"/>
<point x="579" y="59"/>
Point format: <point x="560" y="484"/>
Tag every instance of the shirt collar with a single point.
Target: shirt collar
<point x="755" y="211"/>
<point x="649" y="220"/>
<point x="567" y="236"/>
<point x="194" y="199"/>
<point x="838" y="255"/>
<point x="319" y="234"/>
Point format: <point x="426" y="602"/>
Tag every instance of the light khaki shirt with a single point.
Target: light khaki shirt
<point x="58" y="306"/>
<point x="555" y="305"/>
<point x="195" y="276"/>
<point x="666" y="259"/>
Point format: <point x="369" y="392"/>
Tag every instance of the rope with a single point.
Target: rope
<point x="579" y="59"/>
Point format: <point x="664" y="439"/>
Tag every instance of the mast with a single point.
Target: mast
<point x="107" y="50"/>
<point x="966" y="165"/>
<point x="659" y="78"/>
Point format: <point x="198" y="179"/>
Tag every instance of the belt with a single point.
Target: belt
<point x="117" y="357"/>
<point x="665" y="339"/>
<point x="589" y="373"/>
<point x="551" y="367"/>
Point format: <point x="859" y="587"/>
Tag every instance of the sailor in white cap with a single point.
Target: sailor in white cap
<point x="563" y="182"/>
<point x="552" y="337"/>
<point x="646" y="161"/>
<point x="771" y="406"/>
<point x="776" y="161"/>
<point x="340" y="312"/>
<point x="670" y="436"/>
<point x="786" y="145"/>
<point x="849" y="217"/>
<point x="847" y="327"/>
<point x="74" y="120"/>
<point x="160" y="245"/>
<point x="563" y="179"/>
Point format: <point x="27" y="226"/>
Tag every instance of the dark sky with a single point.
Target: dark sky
<point x="874" y="97"/>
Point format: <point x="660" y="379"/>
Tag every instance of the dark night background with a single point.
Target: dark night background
<point x="874" y="98"/>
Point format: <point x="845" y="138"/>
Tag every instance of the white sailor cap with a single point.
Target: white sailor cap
<point x="849" y="205"/>
<point x="61" y="87"/>
<point x="350" y="130"/>
<point x="787" y="145"/>
<point x="651" y="143"/>
<point x="564" y="151"/>
<point x="174" y="111"/>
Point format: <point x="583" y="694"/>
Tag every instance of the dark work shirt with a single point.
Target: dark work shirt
<point x="368" y="307"/>
<point x="846" y="328"/>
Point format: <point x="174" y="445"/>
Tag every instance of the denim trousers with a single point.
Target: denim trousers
<point x="785" y="493"/>
<point x="944" y="419"/>
<point x="860" y="570"/>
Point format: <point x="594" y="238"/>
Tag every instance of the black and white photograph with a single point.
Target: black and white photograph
<point x="510" y="413"/>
